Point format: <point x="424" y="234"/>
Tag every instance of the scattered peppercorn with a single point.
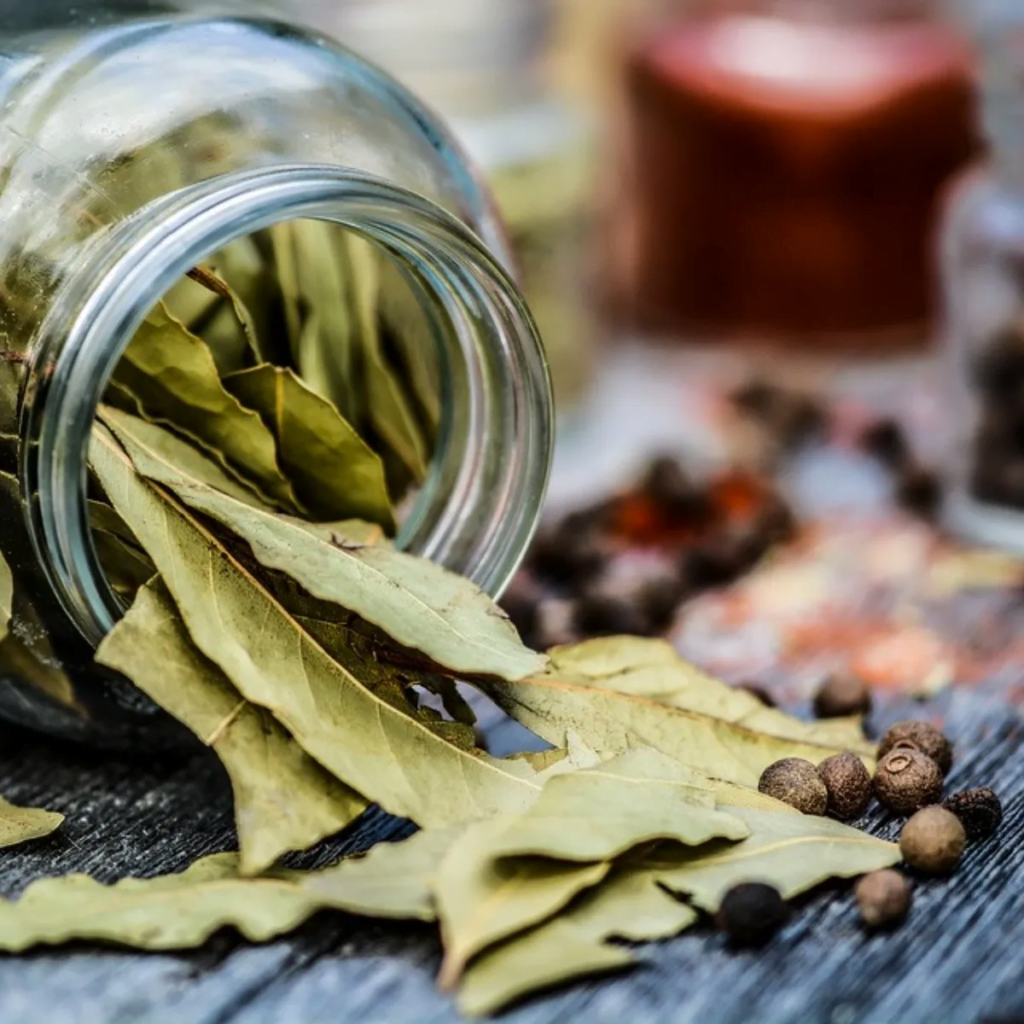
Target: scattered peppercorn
<point x="760" y="692"/>
<point x="668" y="485"/>
<point x="849" y="786"/>
<point x="920" y="491"/>
<point x="980" y="812"/>
<point x="842" y="695"/>
<point x="886" y="441"/>
<point x="933" y="841"/>
<point x="611" y="615"/>
<point x="752" y="913"/>
<point x="907" y="780"/>
<point x="792" y="419"/>
<point x="796" y="782"/>
<point x="884" y="898"/>
<point x="923" y="737"/>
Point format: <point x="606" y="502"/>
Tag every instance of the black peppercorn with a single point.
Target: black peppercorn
<point x="886" y="441"/>
<point x="933" y="841"/>
<point x="752" y="913"/>
<point x="884" y="898"/>
<point x="795" y="782"/>
<point x="667" y="484"/>
<point x="714" y="563"/>
<point x="923" y="737"/>
<point x="611" y="615"/>
<point x="849" y="786"/>
<point x="842" y="695"/>
<point x="907" y="780"/>
<point x="980" y="812"/>
<point x="920" y="492"/>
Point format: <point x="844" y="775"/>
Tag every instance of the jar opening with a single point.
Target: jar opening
<point x="475" y="505"/>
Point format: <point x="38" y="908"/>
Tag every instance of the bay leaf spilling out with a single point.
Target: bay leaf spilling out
<point x="284" y="800"/>
<point x="419" y="604"/>
<point x="360" y="738"/>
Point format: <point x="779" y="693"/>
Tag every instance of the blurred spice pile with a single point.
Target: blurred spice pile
<point x="722" y="566"/>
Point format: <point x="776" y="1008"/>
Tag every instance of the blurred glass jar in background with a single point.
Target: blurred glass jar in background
<point x="482" y="65"/>
<point x="983" y="264"/>
<point x="787" y="160"/>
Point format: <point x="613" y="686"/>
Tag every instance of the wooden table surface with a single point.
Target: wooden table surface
<point x="959" y="959"/>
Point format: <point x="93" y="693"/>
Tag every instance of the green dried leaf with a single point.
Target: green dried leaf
<point x="793" y="852"/>
<point x="554" y="953"/>
<point x="20" y="824"/>
<point x="6" y="596"/>
<point x="171" y="912"/>
<point x="628" y="905"/>
<point x="283" y="799"/>
<point x="420" y="605"/>
<point x="175" y="380"/>
<point x="391" y="410"/>
<point x="335" y="473"/>
<point x="612" y="723"/>
<point x="601" y="813"/>
<point x="190" y="461"/>
<point x="392" y="880"/>
<point x="126" y="568"/>
<point x="385" y="755"/>
<point x="653" y="669"/>
<point x="233" y="340"/>
<point x="482" y="900"/>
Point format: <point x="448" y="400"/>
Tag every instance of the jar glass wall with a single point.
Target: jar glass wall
<point x="134" y="148"/>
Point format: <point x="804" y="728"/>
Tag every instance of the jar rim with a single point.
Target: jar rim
<point x="479" y="509"/>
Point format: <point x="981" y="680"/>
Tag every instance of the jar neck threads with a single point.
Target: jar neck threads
<point x="479" y="507"/>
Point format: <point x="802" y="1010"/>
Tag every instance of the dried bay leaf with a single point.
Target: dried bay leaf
<point x="550" y="955"/>
<point x="170" y="912"/>
<point x="793" y="852"/>
<point x="629" y="904"/>
<point x="335" y="473"/>
<point x="231" y="335"/>
<point x="175" y="380"/>
<point x="6" y="596"/>
<point x="482" y="900"/>
<point x="387" y="756"/>
<point x="654" y="670"/>
<point x="126" y="568"/>
<point x="601" y="813"/>
<point x="420" y="605"/>
<point x="21" y="824"/>
<point x="613" y="723"/>
<point x="284" y="800"/>
<point x="393" y="880"/>
<point x="189" y="460"/>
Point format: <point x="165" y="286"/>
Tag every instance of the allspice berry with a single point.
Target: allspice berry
<point x="884" y="898"/>
<point x="849" y="786"/>
<point x="752" y="913"/>
<point x="933" y="841"/>
<point x="922" y="735"/>
<point x="796" y="782"/>
<point x="842" y="695"/>
<point x="980" y="812"/>
<point x="907" y="780"/>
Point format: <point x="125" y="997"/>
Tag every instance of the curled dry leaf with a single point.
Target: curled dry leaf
<point x="652" y="669"/>
<point x="627" y="905"/>
<point x="418" y="604"/>
<point x="284" y="800"/>
<point x="172" y="375"/>
<point x="792" y="852"/>
<point x="384" y="754"/>
<point x="335" y="473"/>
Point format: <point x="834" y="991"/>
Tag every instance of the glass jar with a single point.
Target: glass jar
<point x="983" y="270"/>
<point x="483" y="67"/>
<point x="133" y="146"/>
<point x="786" y="166"/>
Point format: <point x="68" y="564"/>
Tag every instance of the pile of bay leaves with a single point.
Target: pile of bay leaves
<point x="243" y="496"/>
